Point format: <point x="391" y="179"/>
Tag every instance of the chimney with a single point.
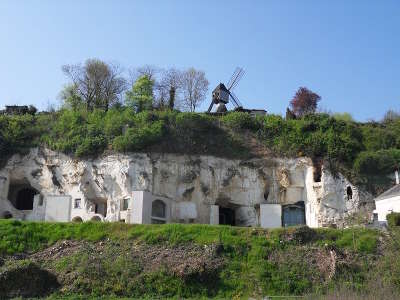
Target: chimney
<point x="396" y="174"/>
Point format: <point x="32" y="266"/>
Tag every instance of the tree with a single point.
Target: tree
<point x="32" y="110"/>
<point x="347" y="117"/>
<point x="194" y="87"/>
<point x="148" y="70"/>
<point x="140" y="97"/>
<point x="289" y="114"/>
<point x="169" y="87"/>
<point x="98" y="84"/>
<point x="391" y="116"/>
<point x="70" y="98"/>
<point x="304" y="102"/>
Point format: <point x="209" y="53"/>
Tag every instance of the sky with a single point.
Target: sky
<point x="346" y="51"/>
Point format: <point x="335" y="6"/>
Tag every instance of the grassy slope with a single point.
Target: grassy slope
<point x="256" y="261"/>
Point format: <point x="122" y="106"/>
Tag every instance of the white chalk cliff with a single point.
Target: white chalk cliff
<point x="203" y="181"/>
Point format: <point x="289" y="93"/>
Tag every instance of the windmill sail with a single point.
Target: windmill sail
<point x="236" y="77"/>
<point x="235" y="100"/>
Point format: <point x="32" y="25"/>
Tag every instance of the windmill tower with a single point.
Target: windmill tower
<point x="221" y="94"/>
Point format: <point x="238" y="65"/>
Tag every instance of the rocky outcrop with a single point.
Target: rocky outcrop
<point x="203" y="180"/>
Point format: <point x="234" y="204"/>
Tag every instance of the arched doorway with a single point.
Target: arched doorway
<point x="24" y="199"/>
<point x="226" y="216"/>
<point x="158" y="212"/>
<point x="77" y="220"/>
<point x="21" y="194"/>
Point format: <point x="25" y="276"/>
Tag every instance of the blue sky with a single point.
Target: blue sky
<point x="346" y="51"/>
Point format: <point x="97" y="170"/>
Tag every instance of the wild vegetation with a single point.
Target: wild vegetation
<point x="200" y="261"/>
<point x="100" y="113"/>
<point x="363" y="151"/>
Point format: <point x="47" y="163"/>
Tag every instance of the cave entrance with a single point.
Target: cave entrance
<point x="21" y="194"/>
<point x="293" y="214"/>
<point x="226" y="216"/>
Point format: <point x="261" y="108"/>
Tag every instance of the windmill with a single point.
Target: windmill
<point x="221" y="94"/>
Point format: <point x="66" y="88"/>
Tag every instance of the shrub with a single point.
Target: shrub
<point x="377" y="162"/>
<point x="241" y="120"/>
<point x="393" y="219"/>
<point x="139" y="137"/>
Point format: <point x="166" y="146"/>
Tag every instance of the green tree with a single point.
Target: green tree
<point x="70" y="98"/>
<point x="345" y="116"/>
<point x="99" y="84"/>
<point x="140" y="97"/>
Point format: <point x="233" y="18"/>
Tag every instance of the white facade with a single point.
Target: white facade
<point x="147" y="208"/>
<point x="388" y="202"/>
<point x="271" y="215"/>
<point x="387" y="206"/>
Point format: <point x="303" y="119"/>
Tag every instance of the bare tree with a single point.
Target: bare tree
<point x="391" y="116"/>
<point x="194" y="87"/>
<point x="148" y="70"/>
<point x="168" y="88"/>
<point x="99" y="84"/>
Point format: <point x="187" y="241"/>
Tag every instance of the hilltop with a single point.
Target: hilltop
<point x="365" y="152"/>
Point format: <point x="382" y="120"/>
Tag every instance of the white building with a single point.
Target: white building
<point x="387" y="203"/>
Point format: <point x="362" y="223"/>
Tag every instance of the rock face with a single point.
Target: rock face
<point x="194" y="184"/>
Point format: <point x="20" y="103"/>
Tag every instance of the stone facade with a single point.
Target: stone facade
<point x="198" y="189"/>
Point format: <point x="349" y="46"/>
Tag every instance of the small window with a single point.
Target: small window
<point x="349" y="192"/>
<point x="40" y="200"/>
<point x="77" y="203"/>
<point x="317" y="173"/>
<point x="125" y="204"/>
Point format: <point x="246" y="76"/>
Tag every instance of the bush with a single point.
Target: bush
<point x="377" y="162"/>
<point x="139" y="137"/>
<point x="369" y="150"/>
<point x="240" y="121"/>
<point x="393" y="219"/>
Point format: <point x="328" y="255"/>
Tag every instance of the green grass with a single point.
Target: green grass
<point x="17" y="236"/>
<point x="257" y="261"/>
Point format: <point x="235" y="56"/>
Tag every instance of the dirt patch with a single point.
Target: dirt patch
<point x="183" y="261"/>
<point x="320" y="265"/>
<point x="300" y="235"/>
<point x="26" y="279"/>
<point x="57" y="251"/>
<point x="78" y="266"/>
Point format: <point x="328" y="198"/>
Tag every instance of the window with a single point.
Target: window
<point x="77" y="203"/>
<point x="349" y="193"/>
<point x="40" y="200"/>
<point x="125" y="204"/>
<point x="317" y="173"/>
<point x="158" y="212"/>
<point x="375" y="217"/>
